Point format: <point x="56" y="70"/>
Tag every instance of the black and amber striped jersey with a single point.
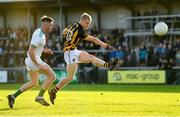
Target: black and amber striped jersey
<point x="72" y="35"/>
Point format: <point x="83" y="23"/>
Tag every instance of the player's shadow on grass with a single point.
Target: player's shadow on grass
<point x="7" y="109"/>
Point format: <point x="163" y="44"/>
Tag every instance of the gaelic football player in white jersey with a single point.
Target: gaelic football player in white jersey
<point x="35" y="65"/>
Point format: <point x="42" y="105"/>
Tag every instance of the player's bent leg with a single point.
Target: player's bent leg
<point x="47" y="82"/>
<point x="50" y="77"/>
<point x="32" y="83"/>
<point x="71" y="70"/>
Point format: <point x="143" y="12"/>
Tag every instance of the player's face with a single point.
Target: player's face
<point x="48" y="26"/>
<point x="86" y="23"/>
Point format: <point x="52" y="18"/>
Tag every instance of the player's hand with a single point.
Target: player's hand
<point x="42" y="67"/>
<point x="109" y="47"/>
<point x="48" y="51"/>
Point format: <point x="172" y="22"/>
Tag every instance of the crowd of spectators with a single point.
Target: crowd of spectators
<point x="12" y="40"/>
<point x="14" y="44"/>
<point x="165" y="54"/>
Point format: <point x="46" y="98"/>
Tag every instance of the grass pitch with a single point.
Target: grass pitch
<point x="97" y="100"/>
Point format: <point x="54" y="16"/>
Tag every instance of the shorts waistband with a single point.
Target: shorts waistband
<point x="69" y="49"/>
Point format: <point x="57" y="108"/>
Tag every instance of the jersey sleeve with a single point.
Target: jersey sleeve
<point x="65" y="31"/>
<point x="36" y="40"/>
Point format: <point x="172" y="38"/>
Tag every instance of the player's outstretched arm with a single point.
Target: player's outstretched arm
<point x="97" y="41"/>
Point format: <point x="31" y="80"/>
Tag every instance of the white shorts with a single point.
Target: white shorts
<point x="31" y="66"/>
<point x="72" y="56"/>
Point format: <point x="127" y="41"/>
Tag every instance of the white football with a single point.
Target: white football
<point x="160" y="28"/>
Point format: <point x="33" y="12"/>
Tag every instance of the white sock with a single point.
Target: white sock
<point x="39" y="97"/>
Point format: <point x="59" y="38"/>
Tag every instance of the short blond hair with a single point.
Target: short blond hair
<point x="86" y="16"/>
<point x="46" y="18"/>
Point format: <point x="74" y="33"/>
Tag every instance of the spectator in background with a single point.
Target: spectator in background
<point x="152" y="57"/>
<point x="147" y="13"/>
<point x="155" y="11"/>
<point x="170" y="58"/>
<point x="11" y="59"/>
<point x="115" y="33"/>
<point x="119" y="53"/>
<point x="94" y="30"/>
<point x="177" y="44"/>
<point x="1" y="48"/>
<point x="12" y="34"/>
<point x="20" y="46"/>
<point x="131" y="60"/>
<point x="136" y="13"/>
<point x="177" y="56"/>
<point x="163" y="57"/>
<point x="12" y="47"/>
<point x="127" y="52"/>
<point x="6" y="46"/>
<point x="58" y="46"/>
<point x="3" y="33"/>
<point x="112" y="55"/>
<point x="56" y="30"/>
<point x="142" y="56"/>
<point x="4" y="61"/>
<point x="171" y="54"/>
<point x="159" y="49"/>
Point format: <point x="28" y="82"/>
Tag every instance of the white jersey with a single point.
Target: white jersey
<point x="38" y="40"/>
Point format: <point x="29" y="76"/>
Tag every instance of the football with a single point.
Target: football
<point x="160" y="28"/>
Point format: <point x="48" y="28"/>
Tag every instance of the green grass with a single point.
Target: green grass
<point x="97" y="100"/>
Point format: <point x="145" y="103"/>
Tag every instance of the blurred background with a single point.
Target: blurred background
<point x="125" y="24"/>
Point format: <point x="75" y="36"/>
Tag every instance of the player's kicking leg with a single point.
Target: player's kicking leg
<point x="71" y="69"/>
<point x="87" y="58"/>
